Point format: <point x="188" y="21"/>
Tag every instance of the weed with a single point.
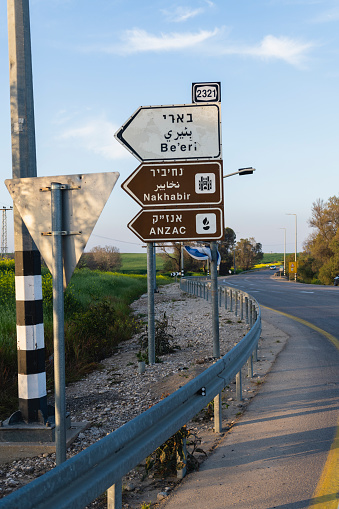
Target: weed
<point x="163" y="341"/>
<point x="170" y="457"/>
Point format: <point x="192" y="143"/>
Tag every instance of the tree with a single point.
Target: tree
<point x="226" y="247"/>
<point x="322" y="246"/>
<point x="247" y="253"/>
<point x="106" y="258"/>
<point x="172" y="253"/>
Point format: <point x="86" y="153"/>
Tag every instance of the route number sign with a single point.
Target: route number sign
<point x="206" y="92"/>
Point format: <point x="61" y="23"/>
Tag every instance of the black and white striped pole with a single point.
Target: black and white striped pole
<point x="30" y="329"/>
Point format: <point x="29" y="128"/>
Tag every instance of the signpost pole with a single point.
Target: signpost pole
<point x="150" y="290"/>
<point x="30" y="329"/>
<point x="58" y="325"/>
<point x="214" y="299"/>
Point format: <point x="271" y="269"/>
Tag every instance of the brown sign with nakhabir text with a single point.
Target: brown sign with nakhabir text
<point x="176" y="184"/>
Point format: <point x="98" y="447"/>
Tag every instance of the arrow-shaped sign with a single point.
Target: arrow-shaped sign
<point x="176" y="184"/>
<point x="84" y="197"/>
<point x="170" y="133"/>
<point x="178" y="224"/>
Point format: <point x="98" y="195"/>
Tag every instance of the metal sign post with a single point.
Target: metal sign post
<point x="150" y="292"/>
<point x="58" y="324"/>
<point x="214" y="299"/>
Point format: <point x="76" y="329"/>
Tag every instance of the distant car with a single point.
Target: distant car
<point x="273" y="267"/>
<point x="336" y="281"/>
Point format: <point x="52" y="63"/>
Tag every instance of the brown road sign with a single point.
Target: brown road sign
<point x="178" y="224"/>
<point x="176" y="184"/>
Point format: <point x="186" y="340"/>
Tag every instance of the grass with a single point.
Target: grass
<point x="136" y="263"/>
<point x="273" y="258"/>
<point x="97" y="318"/>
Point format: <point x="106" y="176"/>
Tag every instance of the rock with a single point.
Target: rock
<point x="162" y="495"/>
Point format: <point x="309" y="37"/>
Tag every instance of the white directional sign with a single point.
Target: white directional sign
<point x="84" y="197"/>
<point x="170" y="133"/>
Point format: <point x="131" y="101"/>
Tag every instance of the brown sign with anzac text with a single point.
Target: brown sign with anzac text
<point x="178" y="224"/>
<point x="176" y="184"/>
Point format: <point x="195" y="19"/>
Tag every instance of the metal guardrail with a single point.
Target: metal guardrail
<point x="100" y="467"/>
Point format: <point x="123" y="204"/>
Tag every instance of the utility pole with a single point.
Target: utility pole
<point x="30" y="329"/>
<point x="4" y="246"/>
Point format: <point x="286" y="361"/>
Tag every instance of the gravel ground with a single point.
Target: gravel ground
<point x="112" y="396"/>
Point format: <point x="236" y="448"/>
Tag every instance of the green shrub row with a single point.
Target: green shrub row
<point x="97" y="318"/>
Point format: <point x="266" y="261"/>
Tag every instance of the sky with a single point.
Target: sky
<point x="95" y="63"/>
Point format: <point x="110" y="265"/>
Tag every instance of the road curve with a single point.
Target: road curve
<point x="283" y="451"/>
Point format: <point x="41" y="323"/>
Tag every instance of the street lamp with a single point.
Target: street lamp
<point x="242" y="171"/>
<point x="284" y="249"/>
<point x="295" y="256"/>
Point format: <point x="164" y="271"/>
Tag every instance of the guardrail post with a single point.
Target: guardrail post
<point x="231" y="300"/>
<point x="246" y="309"/>
<point x="241" y="306"/>
<point x="219" y="292"/>
<point x="182" y="471"/>
<point x="255" y="354"/>
<point x="225" y="297"/>
<point x="236" y="297"/>
<point x="250" y="367"/>
<point x="217" y="414"/>
<point x="238" y="386"/>
<point x="251" y="313"/>
<point x="114" y="496"/>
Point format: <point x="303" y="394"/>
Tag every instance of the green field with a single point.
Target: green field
<point x="136" y="263"/>
<point x="276" y="258"/>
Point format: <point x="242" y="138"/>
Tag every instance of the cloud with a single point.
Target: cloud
<point x="182" y="14"/>
<point x="97" y="136"/>
<point x="290" y="50"/>
<point x="140" y="41"/>
<point x="327" y="16"/>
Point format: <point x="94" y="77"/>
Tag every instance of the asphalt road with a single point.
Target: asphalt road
<point x="317" y="304"/>
<point x="283" y="452"/>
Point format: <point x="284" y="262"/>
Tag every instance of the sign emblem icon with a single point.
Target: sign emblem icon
<point x="206" y="223"/>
